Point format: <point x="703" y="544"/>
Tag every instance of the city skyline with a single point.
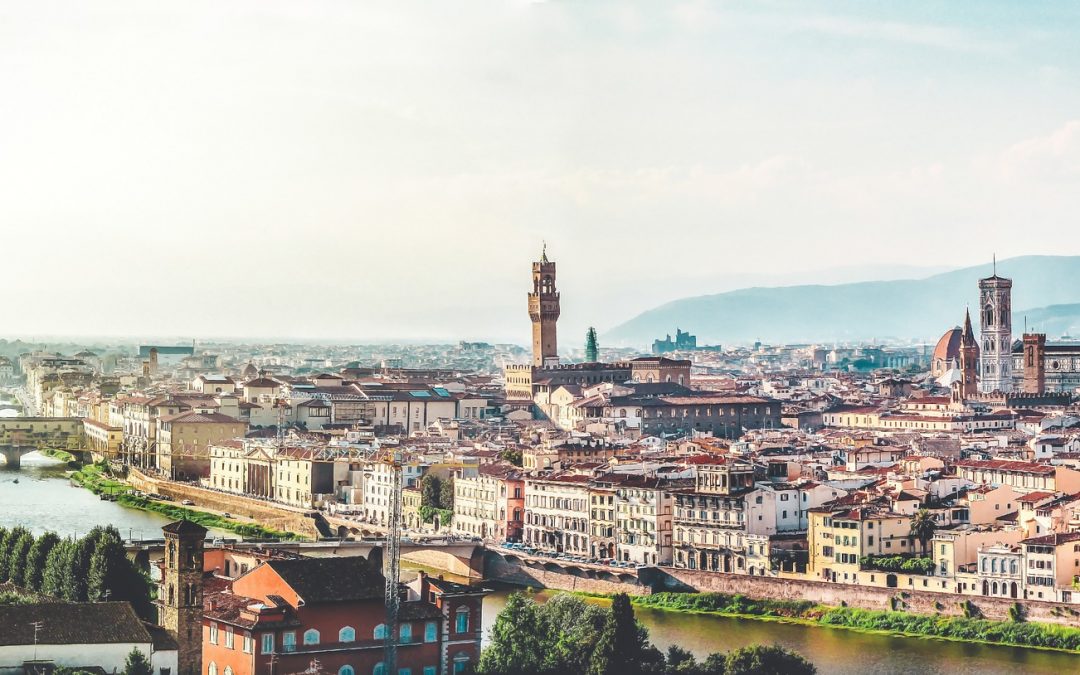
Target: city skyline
<point x="386" y="172"/>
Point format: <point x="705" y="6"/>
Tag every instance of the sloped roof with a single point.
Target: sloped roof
<point x="83" y="623"/>
<point x="185" y="527"/>
<point x="331" y="579"/>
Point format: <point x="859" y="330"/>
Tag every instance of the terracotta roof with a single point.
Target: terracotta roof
<point x="262" y="382"/>
<point x="331" y="579"/>
<point x="71" y="624"/>
<point x="194" y="417"/>
<point x="1007" y="465"/>
<point x="1053" y="539"/>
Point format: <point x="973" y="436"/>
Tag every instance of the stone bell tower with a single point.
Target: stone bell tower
<point x="181" y="597"/>
<point x="544" y="312"/>
<point x="995" y="303"/>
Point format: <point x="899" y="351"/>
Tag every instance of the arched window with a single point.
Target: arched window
<point x="993" y="566"/>
<point x="462" y="620"/>
<point x="431" y="631"/>
<point x="379" y="669"/>
<point x="228" y="670"/>
<point x="211" y="669"/>
<point x="1013" y="567"/>
<point x="461" y="661"/>
<point x="347" y="634"/>
<point x="985" y="567"/>
<point x="380" y="632"/>
<point x="311" y="637"/>
<point x="346" y="670"/>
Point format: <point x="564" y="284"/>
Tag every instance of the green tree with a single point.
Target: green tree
<point x="715" y="664"/>
<point x="107" y="567"/>
<point x="573" y="627"/>
<point x="623" y="647"/>
<point x="592" y="346"/>
<point x="37" y="560"/>
<point x="517" y="640"/>
<point x="681" y="662"/>
<point x="446" y="494"/>
<point x="114" y="577"/>
<point x="512" y="455"/>
<point x="56" y="569"/>
<point x="7" y="544"/>
<point x="137" y="664"/>
<point x="20" y="552"/>
<point x="923" y="527"/>
<point x="73" y="587"/>
<point x="430" y="490"/>
<point x="3" y="536"/>
<point x="767" y="660"/>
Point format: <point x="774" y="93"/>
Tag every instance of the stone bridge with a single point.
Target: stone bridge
<point x="13" y="454"/>
<point x="520" y="568"/>
<point x="463" y="559"/>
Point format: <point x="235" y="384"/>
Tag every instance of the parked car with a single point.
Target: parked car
<point x="188" y="502"/>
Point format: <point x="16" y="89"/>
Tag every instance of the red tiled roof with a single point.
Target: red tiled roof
<point x="1007" y="465"/>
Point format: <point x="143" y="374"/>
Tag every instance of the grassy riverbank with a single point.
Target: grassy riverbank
<point x="94" y="477"/>
<point x="959" y="628"/>
<point x="62" y="455"/>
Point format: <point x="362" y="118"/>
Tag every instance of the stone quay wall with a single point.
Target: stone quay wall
<point x="863" y="597"/>
<point x="496" y="568"/>
<point x="651" y="580"/>
<point x="274" y="516"/>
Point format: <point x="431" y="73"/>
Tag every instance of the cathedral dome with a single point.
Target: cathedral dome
<point x="948" y="347"/>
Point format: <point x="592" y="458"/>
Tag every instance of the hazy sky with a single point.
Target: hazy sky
<point x="377" y="170"/>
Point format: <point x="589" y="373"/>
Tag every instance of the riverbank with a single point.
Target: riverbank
<point x="94" y="478"/>
<point x="62" y="455"/>
<point x="971" y="629"/>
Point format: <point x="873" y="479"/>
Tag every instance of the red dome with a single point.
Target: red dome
<point x="948" y="347"/>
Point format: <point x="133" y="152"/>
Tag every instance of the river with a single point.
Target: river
<point x="43" y="500"/>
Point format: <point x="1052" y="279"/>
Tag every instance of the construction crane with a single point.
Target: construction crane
<point x="394" y="459"/>
<point x="392" y="560"/>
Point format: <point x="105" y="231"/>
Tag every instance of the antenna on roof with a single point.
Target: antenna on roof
<point x="995" y="264"/>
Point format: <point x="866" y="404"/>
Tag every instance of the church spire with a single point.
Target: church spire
<point x="968" y="336"/>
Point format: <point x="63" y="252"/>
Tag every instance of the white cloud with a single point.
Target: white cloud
<point x="1054" y="156"/>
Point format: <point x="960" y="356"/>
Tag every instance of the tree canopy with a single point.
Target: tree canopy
<point x="93" y="568"/>
<point x="568" y="635"/>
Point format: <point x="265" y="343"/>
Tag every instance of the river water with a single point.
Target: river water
<point x="43" y="500"/>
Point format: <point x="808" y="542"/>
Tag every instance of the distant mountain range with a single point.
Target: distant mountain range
<point x="1046" y="290"/>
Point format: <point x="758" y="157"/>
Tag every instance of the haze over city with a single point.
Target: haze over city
<point x="336" y="170"/>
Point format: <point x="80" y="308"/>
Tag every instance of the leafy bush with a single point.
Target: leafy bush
<point x="898" y="563"/>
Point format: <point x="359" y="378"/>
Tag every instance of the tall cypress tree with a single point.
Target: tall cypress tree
<point x="17" y="559"/>
<point x="108" y="568"/>
<point x="623" y="647"/>
<point x="6" y="544"/>
<point x="57" y="566"/>
<point x="36" y="561"/>
<point x="73" y="581"/>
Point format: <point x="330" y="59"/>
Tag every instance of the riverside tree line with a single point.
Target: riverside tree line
<point x="88" y="569"/>
<point x="568" y="635"/>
